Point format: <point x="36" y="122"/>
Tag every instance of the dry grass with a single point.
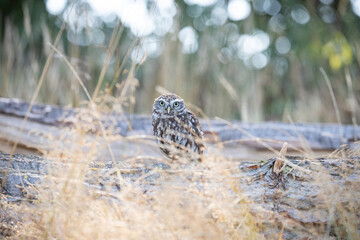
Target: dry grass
<point x="81" y="198"/>
<point x="178" y="208"/>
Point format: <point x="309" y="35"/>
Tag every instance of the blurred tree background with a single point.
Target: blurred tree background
<point x="237" y="59"/>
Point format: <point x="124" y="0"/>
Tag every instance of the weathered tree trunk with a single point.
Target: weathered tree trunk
<point x="306" y="196"/>
<point x="231" y="133"/>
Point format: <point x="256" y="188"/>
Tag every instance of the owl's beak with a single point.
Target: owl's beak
<point x="168" y="109"/>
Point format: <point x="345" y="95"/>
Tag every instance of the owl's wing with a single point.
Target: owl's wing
<point x="196" y="128"/>
<point x="194" y="124"/>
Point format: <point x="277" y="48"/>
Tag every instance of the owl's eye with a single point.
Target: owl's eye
<point x="162" y="103"/>
<point x="176" y="104"/>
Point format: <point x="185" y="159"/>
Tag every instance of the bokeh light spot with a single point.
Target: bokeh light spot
<point x="251" y="44"/>
<point x="259" y="60"/>
<point x="203" y="3"/>
<point x="188" y="38"/>
<point x="55" y="7"/>
<point x="238" y="9"/>
<point x="355" y="4"/>
<point x="300" y="14"/>
<point x="282" y="45"/>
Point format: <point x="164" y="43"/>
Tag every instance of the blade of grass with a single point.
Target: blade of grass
<point x="123" y="62"/>
<point x="353" y="102"/>
<point x="110" y="51"/>
<point x="333" y="99"/>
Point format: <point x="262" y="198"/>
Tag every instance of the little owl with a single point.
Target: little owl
<point x="177" y="129"/>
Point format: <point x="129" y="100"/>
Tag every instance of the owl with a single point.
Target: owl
<point x="177" y="129"/>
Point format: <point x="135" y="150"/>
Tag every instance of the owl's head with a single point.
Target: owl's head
<point x="169" y="105"/>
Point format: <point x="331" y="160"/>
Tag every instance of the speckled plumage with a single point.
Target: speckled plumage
<point x="176" y="128"/>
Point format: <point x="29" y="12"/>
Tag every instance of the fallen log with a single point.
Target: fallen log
<point x="19" y="174"/>
<point x="306" y="196"/>
<point x="262" y="136"/>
